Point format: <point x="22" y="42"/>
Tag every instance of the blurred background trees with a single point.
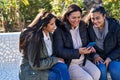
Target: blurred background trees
<point x="113" y="8"/>
<point x="17" y="14"/>
<point x="11" y="18"/>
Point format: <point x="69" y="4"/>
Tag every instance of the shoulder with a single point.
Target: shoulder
<point x="113" y="21"/>
<point x="82" y="23"/>
<point x="114" y="25"/>
<point x="57" y="31"/>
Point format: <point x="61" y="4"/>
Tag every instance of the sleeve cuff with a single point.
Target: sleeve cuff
<point x="108" y="59"/>
<point x="96" y="55"/>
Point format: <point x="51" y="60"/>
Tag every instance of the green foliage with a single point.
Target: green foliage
<point x="31" y="10"/>
<point x="13" y="12"/>
<point x="112" y="7"/>
<point x="59" y="6"/>
<point x="9" y="13"/>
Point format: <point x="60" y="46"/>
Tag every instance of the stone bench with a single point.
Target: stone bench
<point x="9" y="56"/>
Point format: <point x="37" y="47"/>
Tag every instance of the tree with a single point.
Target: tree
<point x="58" y="6"/>
<point x="16" y="14"/>
<point x="113" y="8"/>
<point x="31" y="10"/>
<point x="11" y="17"/>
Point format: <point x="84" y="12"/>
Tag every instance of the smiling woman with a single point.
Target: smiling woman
<point x="105" y="32"/>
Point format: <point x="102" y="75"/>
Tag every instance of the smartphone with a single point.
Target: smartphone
<point x="90" y="44"/>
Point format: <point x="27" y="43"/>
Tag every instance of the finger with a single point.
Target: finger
<point x="102" y="62"/>
<point x="89" y="48"/>
<point x="93" y="49"/>
<point x="101" y="59"/>
<point x="97" y="62"/>
<point x="105" y="62"/>
<point x="83" y="48"/>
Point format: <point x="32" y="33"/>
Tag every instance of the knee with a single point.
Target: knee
<point x="114" y="71"/>
<point x="97" y="75"/>
<point x="62" y="66"/>
<point x="114" y="68"/>
<point x="102" y="68"/>
<point x="52" y="76"/>
<point x="88" y="77"/>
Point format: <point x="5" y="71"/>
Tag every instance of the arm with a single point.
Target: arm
<point x="116" y="52"/>
<point x="46" y="63"/>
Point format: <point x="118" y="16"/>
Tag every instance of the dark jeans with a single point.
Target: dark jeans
<point x="59" y="72"/>
<point x="113" y="68"/>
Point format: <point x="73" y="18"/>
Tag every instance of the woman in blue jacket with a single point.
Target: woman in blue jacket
<point x="70" y="41"/>
<point x="106" y="33"/>
<point x="38" y="62"/>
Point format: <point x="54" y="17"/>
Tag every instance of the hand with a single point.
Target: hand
<point x="61" y="60"/>
<point x="98" y="60"/>
<point x="85" y="50"/>
<point x="107" y="61"/>
<point x="93" y="50"/>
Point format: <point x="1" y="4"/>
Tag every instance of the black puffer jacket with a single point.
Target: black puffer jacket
<point x="111" y="42"/>
<point x="63" y="44"/>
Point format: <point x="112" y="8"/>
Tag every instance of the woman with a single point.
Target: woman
<point x="70" y="41"/>
<point x="106" y="33"/>
<point x="38" y="63"/>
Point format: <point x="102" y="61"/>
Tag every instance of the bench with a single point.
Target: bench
<point x="9" y="56"/>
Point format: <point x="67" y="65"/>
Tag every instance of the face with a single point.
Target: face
<point x="74" y="19"/>
<point x="51" y="26"/>
<point x="98" y="19"/>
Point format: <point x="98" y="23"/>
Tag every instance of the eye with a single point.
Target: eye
<point x="97" y="18"/>
<point x="92" y="19"/>
<point x="73" y="17"/>
<point x="52" y="23"/>
<point x="79" y="17"/>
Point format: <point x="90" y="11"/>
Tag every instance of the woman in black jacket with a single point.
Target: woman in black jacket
<point x="70" y="42"/>
<point x="106" y="33"/>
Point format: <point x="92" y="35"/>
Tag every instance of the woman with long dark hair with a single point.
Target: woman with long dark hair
<point x="38" y="62"/>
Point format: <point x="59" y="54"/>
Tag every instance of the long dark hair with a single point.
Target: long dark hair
<point x="24" y="40"/>
<point x="31" y="38"/>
